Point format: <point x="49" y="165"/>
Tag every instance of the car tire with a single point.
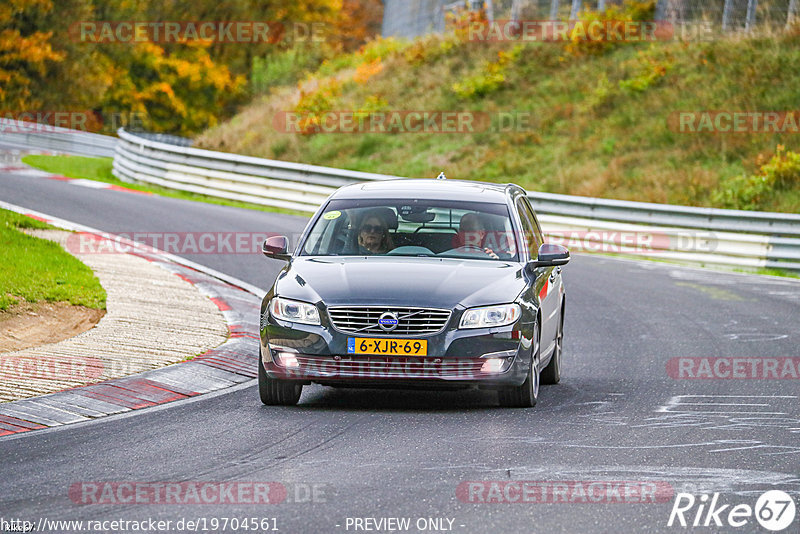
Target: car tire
<point x="275" y="392"/>
<point x="526" y="395"/>
<point x="552" y="373"/>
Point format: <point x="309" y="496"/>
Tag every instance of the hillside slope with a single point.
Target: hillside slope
<point x="600" y="123"/>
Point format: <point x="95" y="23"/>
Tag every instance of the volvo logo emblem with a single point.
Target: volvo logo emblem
<point x="388" y="321"/>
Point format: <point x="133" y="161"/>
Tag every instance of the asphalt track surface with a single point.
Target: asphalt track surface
<point x="616" y="416"/>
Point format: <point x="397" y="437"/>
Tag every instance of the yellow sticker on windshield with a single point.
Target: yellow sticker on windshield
<point x="332" y="215"/>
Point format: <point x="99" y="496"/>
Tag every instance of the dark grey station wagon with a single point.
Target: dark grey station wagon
<point x="416" y="283"/>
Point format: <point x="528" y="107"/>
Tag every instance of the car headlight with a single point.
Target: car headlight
<point x="487" y="316"/>
<point x="294" y="311"/>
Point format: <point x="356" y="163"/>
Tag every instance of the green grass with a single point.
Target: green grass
<point x="36" y="269"/>
<point x="600" y="123"/>
<point x="99" y="169"/>
<point x="771" y="272"/>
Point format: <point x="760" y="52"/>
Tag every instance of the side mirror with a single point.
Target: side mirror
<point x="550" y="255"/>
<point x="277" y="247"/>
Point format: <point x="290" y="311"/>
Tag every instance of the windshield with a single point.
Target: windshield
<point x="412" y="227"/>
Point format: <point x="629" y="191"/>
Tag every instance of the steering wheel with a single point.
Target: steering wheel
<point x="470" y="248"/>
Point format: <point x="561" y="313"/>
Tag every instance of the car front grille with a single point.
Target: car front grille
<point x="411" y="321"/>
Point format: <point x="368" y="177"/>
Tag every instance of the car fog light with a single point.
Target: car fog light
<point x="287" y="359"/>
<point x="497" y="362"/>
<point x="493" y="365"/>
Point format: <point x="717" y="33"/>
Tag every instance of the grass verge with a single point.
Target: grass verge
<point x="99" y="169"/>
<point x="35" y="269"/>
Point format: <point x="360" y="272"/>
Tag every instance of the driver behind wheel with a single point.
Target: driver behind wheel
<point x="373" y="234"/>
<point x="472" y="234"/>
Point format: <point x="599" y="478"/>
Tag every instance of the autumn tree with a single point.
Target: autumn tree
<point x="359" y="21"/>
<point x="26" y="53"/>
<point x="178" y="87"/>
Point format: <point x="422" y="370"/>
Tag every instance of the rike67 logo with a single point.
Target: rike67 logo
<point x="774" y="510"/>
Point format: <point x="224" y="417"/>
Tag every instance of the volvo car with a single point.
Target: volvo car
<point x="416" y="283"/>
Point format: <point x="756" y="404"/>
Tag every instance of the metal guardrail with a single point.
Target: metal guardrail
<point x="694" y="235"/>
<point x="231" y="176"/>
<point x="56" y="139"/>
<point x="752" y="222"/>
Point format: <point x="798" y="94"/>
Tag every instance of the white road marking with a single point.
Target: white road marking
<point x="89" y="183"/>
<point x="677" y="403"/>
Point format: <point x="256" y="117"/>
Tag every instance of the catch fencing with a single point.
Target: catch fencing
<point x="412" y="18"/>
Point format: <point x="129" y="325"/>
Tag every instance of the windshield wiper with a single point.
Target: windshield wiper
<point x="412" y="255"/>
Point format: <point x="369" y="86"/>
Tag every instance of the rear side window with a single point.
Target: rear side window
<point x="532" y="236"/>
<point x="537" y="230"/>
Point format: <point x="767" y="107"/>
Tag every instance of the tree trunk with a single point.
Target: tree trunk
<point x="553" y="9"/>
<point x="516" y="8"/>
<point x="726" y="15"/>
<point x="792" y="12"/>
<point x="752" y="6"/>
<point x="676" y="11"/>
<point x="576" y="7"/>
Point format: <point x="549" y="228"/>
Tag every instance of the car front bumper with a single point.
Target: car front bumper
<point x="455" y="357"/>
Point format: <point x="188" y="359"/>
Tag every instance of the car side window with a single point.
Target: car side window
<point x="528" y="229"/>
<point x="536" y="228"/>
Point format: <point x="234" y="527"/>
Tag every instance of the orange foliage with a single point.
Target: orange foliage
<point x="359" y="21"/>
<point x="365" y="71"/>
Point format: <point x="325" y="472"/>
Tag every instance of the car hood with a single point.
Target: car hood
<point x="424" y="282"/>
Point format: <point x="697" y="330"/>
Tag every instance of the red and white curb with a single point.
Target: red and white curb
<point x="233" y="362"/>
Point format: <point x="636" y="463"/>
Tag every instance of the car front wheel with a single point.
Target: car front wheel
<point x="526" y="395"/>
<point x="275" y="392"/>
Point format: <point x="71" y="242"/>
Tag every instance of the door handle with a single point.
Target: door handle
<point x="553" y="277"/>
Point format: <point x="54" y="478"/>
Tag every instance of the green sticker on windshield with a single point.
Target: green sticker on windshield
<point x="331" y="215"/>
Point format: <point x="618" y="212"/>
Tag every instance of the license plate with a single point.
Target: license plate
<point x="388" y="347"/>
